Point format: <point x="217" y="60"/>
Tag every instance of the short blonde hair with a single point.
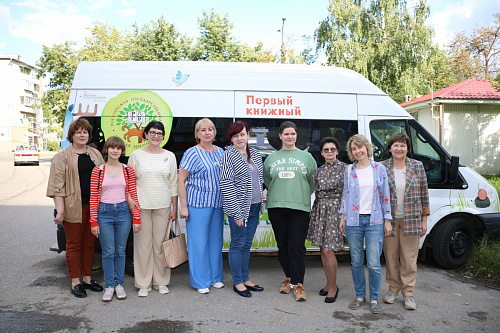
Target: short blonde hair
<point x="200" y="122"/>
<point x="359" y="140"/>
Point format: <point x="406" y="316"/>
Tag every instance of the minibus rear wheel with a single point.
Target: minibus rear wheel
<point x="452" y="243"/>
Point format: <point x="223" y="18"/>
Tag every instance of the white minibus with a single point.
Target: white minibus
<point x="120" y="98"/>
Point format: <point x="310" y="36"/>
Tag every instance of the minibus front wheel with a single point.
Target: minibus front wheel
<point x="452" y="243"/>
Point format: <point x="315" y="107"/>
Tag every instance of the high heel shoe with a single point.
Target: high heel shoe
<point x="323" y="292"/>
<point x="334" y="298"/>
<point x="244" y="293"/>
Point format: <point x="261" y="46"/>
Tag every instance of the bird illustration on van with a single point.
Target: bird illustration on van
<point x="179" y="78"/>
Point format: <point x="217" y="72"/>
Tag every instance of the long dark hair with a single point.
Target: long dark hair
<point x="236" y="128"/>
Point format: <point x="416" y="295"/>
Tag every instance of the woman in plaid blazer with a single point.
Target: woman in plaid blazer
<point x="410" y="208"/>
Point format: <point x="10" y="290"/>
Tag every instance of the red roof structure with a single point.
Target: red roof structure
<point x="469" y="89"/>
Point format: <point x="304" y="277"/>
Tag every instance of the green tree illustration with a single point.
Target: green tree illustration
<point x="121" y="119"/>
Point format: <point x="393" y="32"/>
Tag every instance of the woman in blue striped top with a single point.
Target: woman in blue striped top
<point x="201" y="206"/>
<point x="241" y="179"/>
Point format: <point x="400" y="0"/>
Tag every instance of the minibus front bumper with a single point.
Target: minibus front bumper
<point x="491" y="223"/>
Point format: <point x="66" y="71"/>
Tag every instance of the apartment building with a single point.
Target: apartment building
<point x="21" y="115"/>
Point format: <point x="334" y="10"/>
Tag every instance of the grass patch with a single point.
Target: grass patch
<point x="495" y="181"/>
<point x="484" y="262"/>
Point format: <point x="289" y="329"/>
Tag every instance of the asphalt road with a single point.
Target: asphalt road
<point x="35" y="290"/>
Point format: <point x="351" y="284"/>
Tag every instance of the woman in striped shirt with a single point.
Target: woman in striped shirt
<point x="156" y="170"/>
<point x="241" y="185"/>
<point x="111" y="186"/>
<point x="201" y="206"/>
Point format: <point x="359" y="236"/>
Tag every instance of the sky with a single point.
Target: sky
<point x="26" y="25"/>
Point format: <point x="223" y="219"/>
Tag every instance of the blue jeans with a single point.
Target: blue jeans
<point x="241" y="241"/>
<point x="373" y="237"/>
<point x="114" y="228"/>
<point x="204" y="228"/>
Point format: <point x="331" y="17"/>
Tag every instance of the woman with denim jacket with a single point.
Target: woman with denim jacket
<point x="365" y="218"/>
<point x="241" y="179"/>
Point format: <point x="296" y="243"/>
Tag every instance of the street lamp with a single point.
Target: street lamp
<point x="283" y="50"/>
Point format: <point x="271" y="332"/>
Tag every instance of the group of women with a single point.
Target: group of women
<point x="377" y="205"/>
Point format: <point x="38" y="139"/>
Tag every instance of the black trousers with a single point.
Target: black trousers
<point x="290" y="230"/>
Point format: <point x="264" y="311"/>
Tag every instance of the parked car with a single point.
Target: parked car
<point x="26" y="154"/>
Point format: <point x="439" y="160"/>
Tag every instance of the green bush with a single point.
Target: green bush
<point x="495" y="181"/>
<point x="484" y="261"/>
<point x="53" y="146"/>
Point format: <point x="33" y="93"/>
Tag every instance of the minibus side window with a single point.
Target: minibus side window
<point x="264" y="135"/>
<point x="423" y="146"/>
<point x="424" y="151"/>
<point x="381" y="131"/>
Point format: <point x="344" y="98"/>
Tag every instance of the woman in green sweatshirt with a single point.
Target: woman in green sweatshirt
<point x="288" y="175"/>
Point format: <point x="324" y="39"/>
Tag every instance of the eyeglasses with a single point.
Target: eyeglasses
<point x="326" y="150"/>
<point x="158" y="134"/>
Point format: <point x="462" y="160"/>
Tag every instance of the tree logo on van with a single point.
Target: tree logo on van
<point x="127" y="114"/>
<point x="134" y="113"/>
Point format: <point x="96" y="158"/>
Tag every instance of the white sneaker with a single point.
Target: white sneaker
<point x="120" y="292"/>
<point x="410" y="303"/>
<point x="107" y="296"/>
<point x="390" y="297"/>
<point x="162" y="289"/>
<point x="218" y="285"/>
<point x="204" y="291"/>
<point x="143" y="292"/>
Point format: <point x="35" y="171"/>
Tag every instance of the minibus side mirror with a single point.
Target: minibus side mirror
<point x="453" y="169"/>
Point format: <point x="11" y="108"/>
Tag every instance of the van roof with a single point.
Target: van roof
<point x="158" y="75"/>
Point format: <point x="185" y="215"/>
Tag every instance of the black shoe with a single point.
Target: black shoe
<point x="94" y="286"/>
<point x="323" y="292"/>
<point x="78" y="291"/>
<point x="254" y="288"/>
<point x="334" y="298"/>
<point x="244" y="293"/>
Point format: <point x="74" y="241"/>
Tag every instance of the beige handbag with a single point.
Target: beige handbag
<point x="174" y="249"/>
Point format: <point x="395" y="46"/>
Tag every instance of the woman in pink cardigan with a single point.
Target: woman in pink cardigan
<point x="112" y="191"/>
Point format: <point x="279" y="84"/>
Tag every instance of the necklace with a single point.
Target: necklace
<point x="113" y="172"/>
<point x="211" y="148"/>
<point x="211" y="155"/>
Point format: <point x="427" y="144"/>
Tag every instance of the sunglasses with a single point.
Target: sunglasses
<point x="326" y="150"/>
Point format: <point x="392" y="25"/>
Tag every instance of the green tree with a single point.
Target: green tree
<point x="216" y="42"/>
<point x="309" y="54"/>
<point x="60" y="61"/>
<point x="255" y="54"/>
<point x="462" y="62"/>
<point x="105" y="44"/>
<point x="477" y="56"/>
<point x="159" y="41"/>
<point x="383" y="40"/>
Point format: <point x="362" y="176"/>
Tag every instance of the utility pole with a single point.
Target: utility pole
<point x="283" y="49"/>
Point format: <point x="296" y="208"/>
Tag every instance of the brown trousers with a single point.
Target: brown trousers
<point x="401" y="254"/>
<point x="80" y="244"/>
